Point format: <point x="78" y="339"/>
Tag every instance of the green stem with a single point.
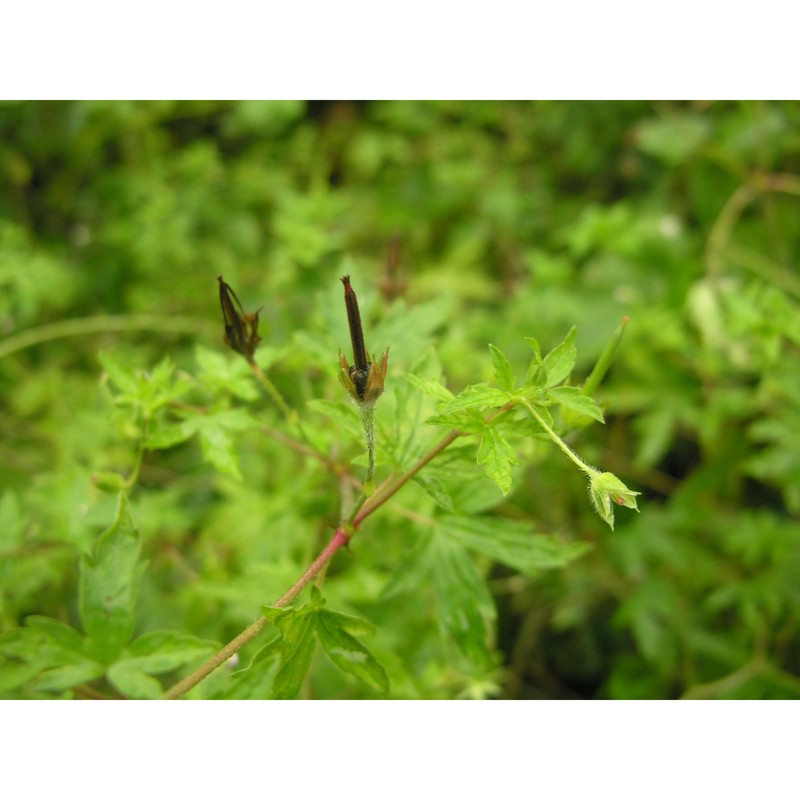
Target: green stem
<point x="103" y="323"/>
<point x="269" y="387"/>
<point x="368" y="421"/>
<point x="272" y="390"/>
<point x="571" y="454"/>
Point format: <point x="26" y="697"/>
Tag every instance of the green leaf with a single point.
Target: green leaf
<point x="147" y="391"/>
<point x="133" y="682"/>
<point x="469" y="420"/>
<point x="161" y="434"/>
<point x="296" y="649"/>
<point x="343" y="413"/>
<point x="429" y="387"/>
<point x="256" y="681"/>
<point x="122" y="376"/>
<point x="155" y="653"/>
<point x="536" y="374"/>
<point x="511" y="543"/>
<point x="463" y="601"/>
<point x="496" y="455"/>
<point x="502" y="369"/>
<point x="344" y="650"/>
<point x="48" y="654"/>
<point x="560" y="361"/>
<point x="435" y="488"/>
<point x="109" y="578"/>
<point x="572" y="397"/>
<point x="216" y="442"/>
<point x="478" y="395"/>
<point x="224" y="374"/>
<point x="413" y="571"/>
<point x="299" y="629"/>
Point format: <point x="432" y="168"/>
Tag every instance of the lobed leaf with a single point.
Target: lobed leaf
<point x="572" y="397"/>
<point x="344" y="650"/>
<point x="560" y="361"/>
<point x="511" y="543"/>
<point x="109" y="578"/>
<point x="463" y="600"/>
<point x="502" y="369"/>
<point x="429" y="387"/>
<point x="497" y="456"/>
<point x="478" y="395"/>
<point x="47" y="654"/>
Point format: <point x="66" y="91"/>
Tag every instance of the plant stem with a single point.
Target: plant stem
<point x="571" y="454"/>
<point x="375" y="501"/>
<point x="368" y="421"/>
<point x="340" y="538"/>
<point x="271" y="390"/>
<point x="269" y="387"/>
<point x="103" y="323"/>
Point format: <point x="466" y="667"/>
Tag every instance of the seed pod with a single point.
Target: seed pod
<point x="241" y="328"/>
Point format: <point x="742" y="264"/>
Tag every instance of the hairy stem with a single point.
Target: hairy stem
<point x="571" y="454"/>
<point x="368" y="421"/>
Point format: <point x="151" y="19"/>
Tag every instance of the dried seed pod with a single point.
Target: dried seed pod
<point x="241" y="328"/>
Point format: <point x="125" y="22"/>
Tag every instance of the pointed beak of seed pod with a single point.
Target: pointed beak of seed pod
<point x="364" y="380"/>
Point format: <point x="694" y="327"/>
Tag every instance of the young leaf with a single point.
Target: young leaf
<point x="122" y="376"/>
<point x="469" y="420"/>
<point x="109" y="578"/>
<point x="429" y="387"/>
<point x="346" y="651"/>
<point x="496" y="455"/>
<point x="478" y="395"/>
<point x="535" y="375"/>
<point x="558" y="363"/>
<point x="502" y="369"/>
<point x="572" y="397"/>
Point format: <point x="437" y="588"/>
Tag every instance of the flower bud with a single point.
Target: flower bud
<point x="606" y="488"/>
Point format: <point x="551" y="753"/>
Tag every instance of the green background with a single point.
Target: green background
<point x="513" y="220"/>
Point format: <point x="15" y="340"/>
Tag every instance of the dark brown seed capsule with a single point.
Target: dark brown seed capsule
<point x="356" y="333"/>
<point x="241" y="328"/>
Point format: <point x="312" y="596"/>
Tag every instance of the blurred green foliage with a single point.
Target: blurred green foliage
<point x="513" y="220"/>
